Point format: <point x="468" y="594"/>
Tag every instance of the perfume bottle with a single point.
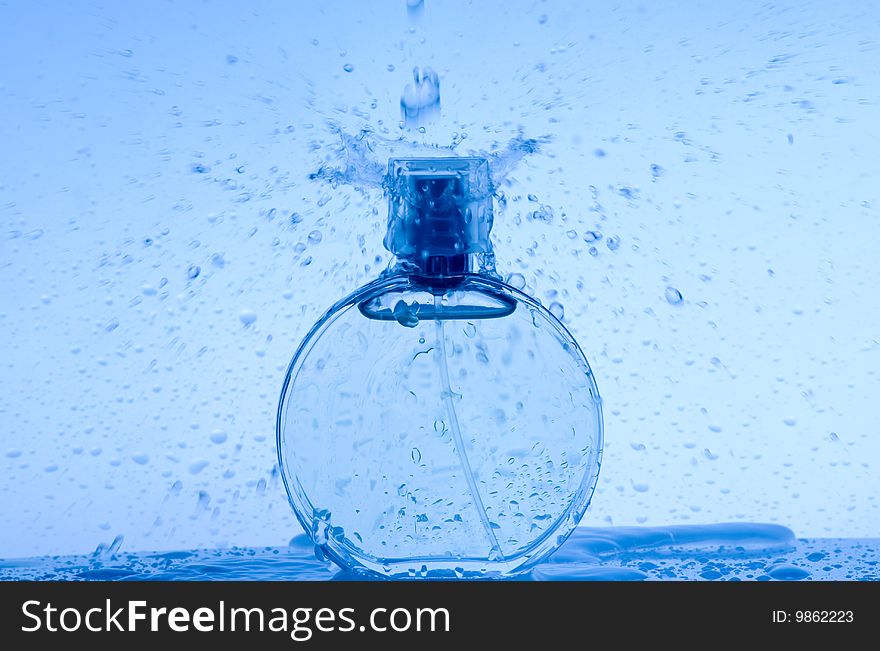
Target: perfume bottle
<point x="437" y="422"/>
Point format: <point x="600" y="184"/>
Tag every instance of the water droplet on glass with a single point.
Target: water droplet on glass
<point x="673" y="296"/>
<point x="404" y="315"/>
<point x="197" y="466"/>
<point x="218" y="436"/>
<point x="247" y="317"/>
<point x="348" y="67"/>
<point x="557" y="310"/>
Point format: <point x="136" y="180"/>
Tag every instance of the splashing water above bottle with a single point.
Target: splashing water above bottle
<point x="360" y="160"/>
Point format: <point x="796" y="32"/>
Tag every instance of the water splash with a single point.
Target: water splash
<point x="420" y="102"/>
<point x="726" y="551"/>
<point x="360" y="160"/>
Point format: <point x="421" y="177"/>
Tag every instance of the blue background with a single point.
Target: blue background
<point x="731" y="148"/>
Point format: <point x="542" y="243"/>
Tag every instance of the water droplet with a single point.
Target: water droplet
<point x="348" y="67"/>
<point x="315" y="237"/>
<point x="542" y="214"/>
<point x="787" y="572"/>
<point x="404" y="315"/>
<point x="673" y="296"/>
<point x="415" y="8"/>
<point x="557" y="310"/>
<point x="197" y="466"/>
<point x="247" y="317"/>
<point x="416" y="455"/>
<point x="193" y="271"/>
<point x="218" y="436"/>
<point x="420" y="101"/>
<point x="517" y="281"/>
<point x="140" y="458"/>
<point x="613" y="243"/>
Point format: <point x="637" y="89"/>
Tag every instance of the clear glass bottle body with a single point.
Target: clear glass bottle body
<point x="439" y="429"/>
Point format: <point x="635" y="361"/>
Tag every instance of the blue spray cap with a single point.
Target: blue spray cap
<point x="439" y="211"/>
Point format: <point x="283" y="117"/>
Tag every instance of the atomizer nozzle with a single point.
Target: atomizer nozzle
<point x="439" y="211"/>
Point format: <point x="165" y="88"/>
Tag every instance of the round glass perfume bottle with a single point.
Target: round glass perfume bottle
<point x="437" y="422"/>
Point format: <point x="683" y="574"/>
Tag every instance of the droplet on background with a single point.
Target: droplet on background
<point x="218" y="436"/>
<point x="197" y="466"/>
<point x="673" y="296"/>
<point x="517" y="281"/>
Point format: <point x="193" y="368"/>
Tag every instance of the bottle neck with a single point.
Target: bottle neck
<point x="442" y="272"/>
<point x="444" y="265"/>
